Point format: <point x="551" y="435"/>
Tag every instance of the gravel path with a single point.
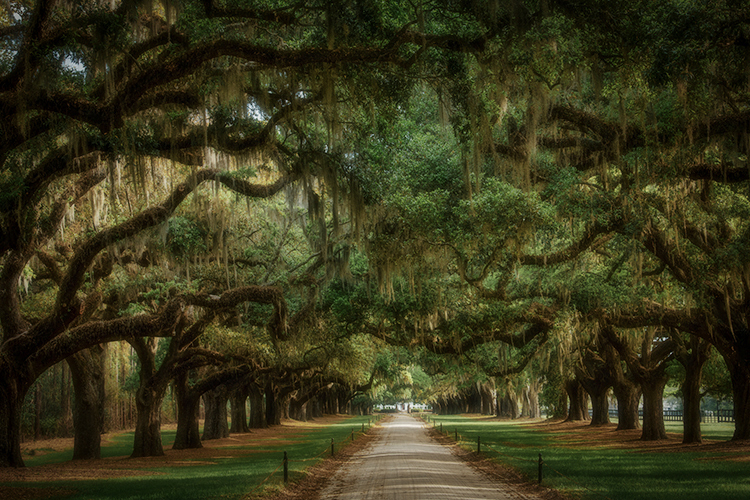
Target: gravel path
<point x="406" y="464"/>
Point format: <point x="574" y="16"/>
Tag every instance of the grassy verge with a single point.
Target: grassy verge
<point x="233" y="468"/>
<point x="591" y="463"/>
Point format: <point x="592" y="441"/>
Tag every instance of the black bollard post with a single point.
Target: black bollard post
<point x="441" y="427"/>
<point x="456" y="434"/>
<point x="479" y="444"/>
<point x="352" y="435"/>
<point x="333" y="449"/>
<point x="541" y="462"/>
<point x="286" y="469"/>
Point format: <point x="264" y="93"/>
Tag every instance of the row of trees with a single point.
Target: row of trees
<point x="271" y="194"/>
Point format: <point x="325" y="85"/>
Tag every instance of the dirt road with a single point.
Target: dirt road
<point x="406" y="464"/>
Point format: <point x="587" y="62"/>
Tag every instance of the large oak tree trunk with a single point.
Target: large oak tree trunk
<point x="87" y="372"/>
<point x="507" y="406"/>
<point x="215" y="403"/>
<point x="628" y="395"/>
<point x="297" y="409"/>
<point x="653" y="408"/>
<point x="12" y="394"/>
<point x="692" y="360"/>
<point x="239" y="411"/>
<point x="599" y="406"/>
<point x="273" y="410"/>
<point x="488" y="399"/>
<point x="740" y="374"/>
<point x="691" y="415"/>
<point x="578" y="409"/>
<point x="147" y="441"/>
<point x="625" y="389"/>
<point x="596" y="378"/>
<point x="188" y="405"/>
<point x="257" y="414"/>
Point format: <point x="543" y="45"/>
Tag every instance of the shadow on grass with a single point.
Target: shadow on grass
<point x="594" y="464"/>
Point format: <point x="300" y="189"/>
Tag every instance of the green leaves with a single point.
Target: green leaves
<point x="186" y="237"/>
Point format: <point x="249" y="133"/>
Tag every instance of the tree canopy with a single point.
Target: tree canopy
<point x="288" y="193"/>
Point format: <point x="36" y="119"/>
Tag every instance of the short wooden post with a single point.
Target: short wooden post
<point x="286" y="468"/>
<point x="541" y="462"/>
<point x="441" y="427"/>
<point x="333" y="448"/>
<point x="479" y="444"/>
<point x="352" y="434"/>
<point x="363" y="427"/>
<point x="456" y="434"/>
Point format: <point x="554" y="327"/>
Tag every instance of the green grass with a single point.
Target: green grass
<point x="227" y="478"/>
<point x="585" y="470"/>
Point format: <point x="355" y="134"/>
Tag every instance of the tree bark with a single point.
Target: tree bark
<point x="740" y="374"/>
<point x="628" y="395"/>
<point x="488" y="399"/>
<point x="257" y="413"/>
<point x="653" y="408"/>
<point x="507" y="406"/>
<point x="273" y="412"/>
<point x="578" y="409"/>
<point x="691" y="407"/>
<point x="188" y="405"/>
<point x="87" y="371"/>
<point x="215" y="403"/>
<point x="12" y="394"/>
<point x="148" y="399"/>
<point x="297" y="409"/>
<point x="239" y="411"/>
<point x="147" y="440"/>
<point x="692" y="360"/>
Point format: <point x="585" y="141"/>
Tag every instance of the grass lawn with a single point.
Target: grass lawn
<point x="229" y="468"/>
<point x="600" y="463"/>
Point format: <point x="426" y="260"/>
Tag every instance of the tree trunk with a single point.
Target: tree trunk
<point x="342" y="398"/>
<point x="595" y="377"/>
<point x="297" y="410"/>
<point x="599" y="407"/>
<point x="531" y="400"/>
<point x="257" y="414"/>
<point x="273" y="412"/>
<point x="692" y="354"/>
<point x="488" y="399"/>
<point x="653" y="408"/>
<point x="625" y="389"/>
<point x="12" y="395"/>
<point x="740" y="373"/>
<point x="628" y="395"/>
<point x="239" y="411"/>
<point x="188" y="406"/>
<point x="597" y="388"/>
<point x="316" y="409"/>
<point x="691" y="402"/>
<point x="507" y="406"/>
<point x="87" y="371"/>
<point x="215" y="425"/>
<point x="147" y="441"/>
<point x="578" y="398"/>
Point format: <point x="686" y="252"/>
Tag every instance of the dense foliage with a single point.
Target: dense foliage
<point x="326" y="204"/>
